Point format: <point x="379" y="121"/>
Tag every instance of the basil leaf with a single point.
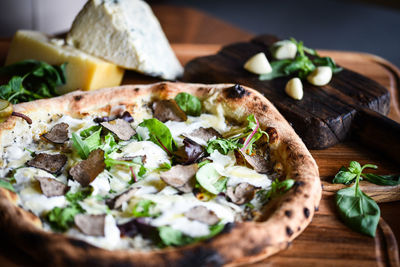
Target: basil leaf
<point x="61" y="219"/>
<point x="144" y="208"/>
<point x="277" y="70"/>
<point x="160" y="134"/>
<point x="357" y="210"/>
<point x="81" y="147"/>
<point x="222" y="145"/>
<point x="190" y="104"/>
<point x="355" y="167"/>
<point x="390" y="180"/>
<point x="7" y="185"/>
<point x="344" y="177"/>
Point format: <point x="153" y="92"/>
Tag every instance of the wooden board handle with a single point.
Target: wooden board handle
<point x="378" y="132"/>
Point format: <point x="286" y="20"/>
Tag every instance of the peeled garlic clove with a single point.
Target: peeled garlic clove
<point x="284" y="50"/>
<point x="294" y="88"/>
<point x="258" y="64"/>
<point x="320" y="76"/>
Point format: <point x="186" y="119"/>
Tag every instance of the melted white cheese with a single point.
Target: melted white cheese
<point x="155" y="155"/>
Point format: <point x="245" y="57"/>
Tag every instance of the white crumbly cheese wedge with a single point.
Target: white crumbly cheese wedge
<point x="127" y="33"/>
<point x="83" y="71"/>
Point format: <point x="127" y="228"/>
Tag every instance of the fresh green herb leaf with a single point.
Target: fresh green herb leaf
<point x="164" y="166"/>
<point x="344" y="177"/>
<point x="6" y="185"/>
<point x="190" y="104"/>
<point x="220" y="184"/>
<point x="160" y="134"/>
<point x="277" y="70"/>
<point x="81" y="147"/>
<point x="31" y="79"/>
<point x="144" y="208"/>
<point x="61" y="219"/>
<point x="222" y="145"/>
<point x="357" y="210"/>
<point x="327" y="61"/>
<point x="79" y="195"/>
<point x="93" y="141"/>
<point x="390" y="180"/>
<point x="204" y="162"/>
<point x="208" y="177"/>
<point x="89" y="131"/>
<point x="109" y="145"/>
<point x="277" y="188"/>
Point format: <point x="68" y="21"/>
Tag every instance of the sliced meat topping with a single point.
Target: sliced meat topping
<point x="58" y="134"/>
<point x="181" y="177"/>
<point x="51" y="187"/>
<point x="258" y="162"/>
<point x="241" y="194"/>
<point x="202" y="214"/>
<point x="190" y="153"/>
<point x="206" y="133"/>
<point x="87" y="170"/>
<point x="168" y="110"/>
<point x="48" y="162"/>
<point x="120" y="128"/>
<point x="90" y="224"/>
<point x="117" y="201"/>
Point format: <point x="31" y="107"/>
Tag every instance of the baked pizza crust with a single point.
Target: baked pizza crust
<point x="282" y="219"/>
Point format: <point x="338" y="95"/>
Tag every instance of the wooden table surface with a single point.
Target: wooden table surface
<point x="194" y="33"/>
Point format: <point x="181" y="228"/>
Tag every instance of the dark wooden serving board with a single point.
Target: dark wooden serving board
<point x="325" y="114"/>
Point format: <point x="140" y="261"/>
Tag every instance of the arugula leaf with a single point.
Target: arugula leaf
<point x="222" y="145"/>
<point x="89" y="131"/>
<point x="61" y="219"/>
<point x="390" y="180"/>
<point x="190" y="104"/>
<point x="79" y="195"/>
<point x="171" y="237"/>
<point x="81" y="147"/>
<point x="144" y="208"/>
<point x="6" y="185"/>
<point x="30" y="80"/>
<point x="357" y="210"/>
<point x="109" y="145"/>
<point x="93" y="141"/>
<point x="160" y="134"/>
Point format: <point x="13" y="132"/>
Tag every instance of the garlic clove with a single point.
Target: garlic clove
<point x="284" y="50"/>
<point x="320" y="76"/>
<point x="258" y="64"/>
<point x="294" y="88"/>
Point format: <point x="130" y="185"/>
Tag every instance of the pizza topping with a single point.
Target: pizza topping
<point x="258" y="162"/>
<point x="181" y="177"/>
<point x="58" y="134"/>
<point x="241" y="194"/>
<point x="51" y="187"/>
<point x="87" y="170"/>
<point x="48" y="162"/>
<point x="120" y="128"/>
<point x="210" y="179"/>
<point x="202" y="214"/>
<point x="206" y="133"/>
<point x="92" y="225"/>
<point x="191" y="152"/>
<point x="117" y="201"/>
<point x="190" y="104"/>
<point x="136" y="226"/>
<point x="168" y="110"/>
<point x="126" y="116"/>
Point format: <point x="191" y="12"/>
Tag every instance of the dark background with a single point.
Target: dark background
<point x="364" y="26"/>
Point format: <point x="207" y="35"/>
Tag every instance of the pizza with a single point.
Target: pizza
<point x="167" y="174"/>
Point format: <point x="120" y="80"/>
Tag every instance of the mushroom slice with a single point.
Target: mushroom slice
<point x="87" y="170"/>
<point x="168" y="110"/>
<point x="181" y="177"/>
<point x="242" y="193"/>
<point x="51" y="187"/>
<point x="118" y="200"/>
<point x="90" y="224"/>
<point x="121" y="128"/>
<point x="258" y="162"/>
<point x="205" y="133"/>
<point x="48" y="162"/>
<point x="58" y="134"/>
<point x="202" y="214"/>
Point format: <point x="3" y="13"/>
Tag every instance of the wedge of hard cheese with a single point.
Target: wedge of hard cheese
<point x="83" y="71"/>
<point x="127" y="33"/>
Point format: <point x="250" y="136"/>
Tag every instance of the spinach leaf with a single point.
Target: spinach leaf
<point x="357" y="210"/>
<point x="6" y="185"/>
<point x="190" y="104"/>
<point x="61" y="219"/>
<point x="144" y="208"/>
<point x="160" y="134"/>
<point x="390" y="180"/>
<point x="171" y="237"/>
<point x="30" y="80"/>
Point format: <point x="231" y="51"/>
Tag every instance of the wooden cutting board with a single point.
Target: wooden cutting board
<point x="327" y="241"/>
<point x="325" y="114"/>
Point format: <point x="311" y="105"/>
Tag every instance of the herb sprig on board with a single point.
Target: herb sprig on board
<point x="31" y="80"/>
<point x="356" y="209"/>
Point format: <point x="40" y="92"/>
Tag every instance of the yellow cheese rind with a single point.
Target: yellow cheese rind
<point x="83" y="71"/>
